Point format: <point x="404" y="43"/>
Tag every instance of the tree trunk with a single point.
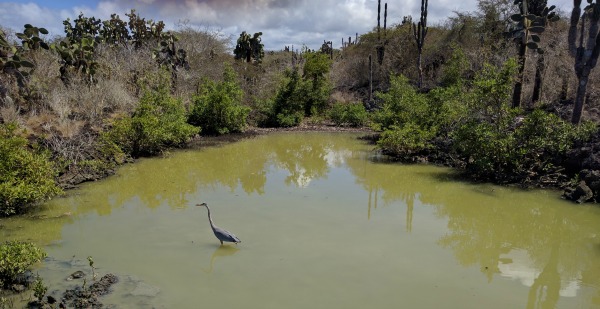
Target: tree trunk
<point x="370" y="80"/>
<point x="564" y="91"/>
<point x="579" y="99"/>
<point x="419" y="61"/>
<point x="539" y="79"/>
<point x="517" y="91"/>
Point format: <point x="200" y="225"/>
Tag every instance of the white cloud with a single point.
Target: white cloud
<point x="283" y="22"/>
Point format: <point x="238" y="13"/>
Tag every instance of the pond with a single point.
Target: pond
<point x="325" y="222"/>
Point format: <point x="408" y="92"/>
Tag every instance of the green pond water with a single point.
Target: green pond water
<point x="325" y="222"/>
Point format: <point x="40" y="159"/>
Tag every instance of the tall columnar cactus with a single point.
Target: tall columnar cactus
<point x="531" y="21"/>
<point x="419" y="33"/>
<point x="381" y="44"/>
<point x="370" y="79"/>
<point x="327" y="48"/>
<point x="586" y="56"/>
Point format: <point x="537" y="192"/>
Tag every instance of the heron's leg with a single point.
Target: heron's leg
<point x="221" y="242"/>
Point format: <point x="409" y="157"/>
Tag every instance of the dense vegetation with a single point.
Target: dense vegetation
<point x="26" y="175"/>
<point x="491" y="92"/>
<point x="16" y="258"/>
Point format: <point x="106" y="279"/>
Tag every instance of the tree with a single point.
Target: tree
<point x="317" y="88"/>
<point x="585" y="57"/>
<point x="419" y="32"/>
<point x="249" y="48"/>
<point x="217" y="107"/>
<point x="540" y="9"/>
<point x="530" y="23"/>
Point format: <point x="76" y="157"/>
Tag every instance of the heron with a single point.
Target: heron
<point x="221" y="234"/>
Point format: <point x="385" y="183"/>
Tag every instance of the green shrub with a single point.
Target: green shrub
<point x="487" y="151"/>
<point x="301" y="96"/>
<point x="16" y="258"/>
<point x="406" y="141"/>
<point x="542" y="137"/>
<point x="455" y="68"/>
<point x="401" y="104"/>
<point x="316" y="86"/>
<point x="218" y="108"/>
<point x="353" y="114"/>
<point x="447" y="108"/>
<point x="491" y="95"/>
<point x="535" y="144"/>
<point x="26" y="175"/>
<point x="288" y="104"/>
<point x="486" y="139"/>
<point x="158" y="122"/>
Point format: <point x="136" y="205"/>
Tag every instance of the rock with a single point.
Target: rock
<point x="17" y="288"/>
<point x="88" y="298"/>
<point x="595" y="186"/>
<point x="581" y="194"/>
<point x="590" y="176"/>
<point x="51" y="300"/>
<point x="592" y="162"/>
<point x="102" y="287"/>
<point x="574" y="159"/>
<point x="76" y="275"/>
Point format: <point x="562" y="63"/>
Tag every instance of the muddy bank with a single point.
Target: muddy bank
<point x="81" y="296"/>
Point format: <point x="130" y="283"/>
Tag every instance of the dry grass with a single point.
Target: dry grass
<point x="9" y="112"/>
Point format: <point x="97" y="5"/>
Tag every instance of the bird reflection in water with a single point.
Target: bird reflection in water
<point x="220" y="252"/>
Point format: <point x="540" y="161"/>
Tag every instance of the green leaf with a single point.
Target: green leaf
<point x="30" y="32"/>
<point x="540" y="51"/>
<point x="27" y="64"/>
<point x="27" y="26"/>
<point x="43" y="31"/>
<point x="537" y="29"/>
<point x="535" y="38"/>
<point x="86" y="41"/>
<point x="516" y="17"/>
<point x="532" y="45"/>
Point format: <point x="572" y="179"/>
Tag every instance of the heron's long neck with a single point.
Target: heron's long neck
<point x="210" y="218"/>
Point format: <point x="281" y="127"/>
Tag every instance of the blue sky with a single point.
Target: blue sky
<point x="283" y="22"/>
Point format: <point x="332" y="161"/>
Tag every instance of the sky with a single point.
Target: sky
<point x="282" y="22"/>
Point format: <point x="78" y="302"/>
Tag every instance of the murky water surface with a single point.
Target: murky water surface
<point x="325" y="222"/>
